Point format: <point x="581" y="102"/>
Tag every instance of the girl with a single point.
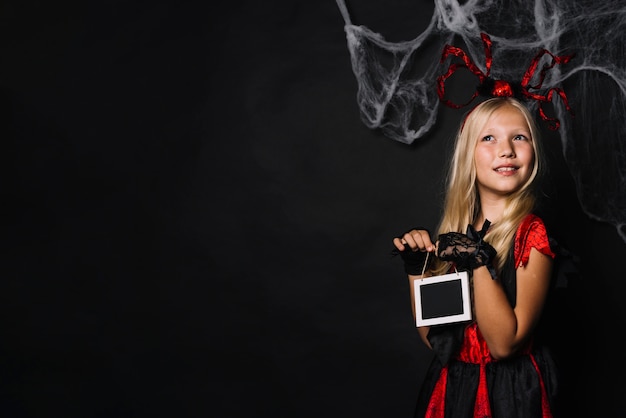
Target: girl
<point x="494" y="366"/>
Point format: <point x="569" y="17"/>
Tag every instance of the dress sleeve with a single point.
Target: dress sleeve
<point x="531" y="234"/>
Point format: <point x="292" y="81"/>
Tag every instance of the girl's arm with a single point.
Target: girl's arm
<point x="507" y="329"/>
<point x="417" y="240"/>
<point x="423" y="331"/>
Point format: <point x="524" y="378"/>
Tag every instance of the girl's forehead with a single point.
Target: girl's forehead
<point x="506" y="116"/>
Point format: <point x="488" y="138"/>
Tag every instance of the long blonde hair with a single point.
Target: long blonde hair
<point x="462" y="202"/>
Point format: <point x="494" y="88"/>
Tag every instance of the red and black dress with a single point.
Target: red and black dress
<point x="463" y="379"/>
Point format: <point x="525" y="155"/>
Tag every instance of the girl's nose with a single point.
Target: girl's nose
<point x="506" y="150"/>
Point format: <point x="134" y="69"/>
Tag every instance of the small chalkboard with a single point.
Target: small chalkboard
<point x="442" y="299"/>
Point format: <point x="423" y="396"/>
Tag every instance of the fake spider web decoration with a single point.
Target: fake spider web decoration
<point x="399" y="97"/>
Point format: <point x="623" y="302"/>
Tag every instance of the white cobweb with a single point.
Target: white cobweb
<point x="397" y="91"/>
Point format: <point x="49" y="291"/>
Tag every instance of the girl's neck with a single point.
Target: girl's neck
<point x="492" y="216"/>
<point x="479" y="224"/>
<point x="491" y="209"/>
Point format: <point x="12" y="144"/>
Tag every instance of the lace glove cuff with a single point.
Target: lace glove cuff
<point x="468" y="251"/>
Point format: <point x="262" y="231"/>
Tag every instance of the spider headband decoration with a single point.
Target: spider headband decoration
<point x="501" y="88"/>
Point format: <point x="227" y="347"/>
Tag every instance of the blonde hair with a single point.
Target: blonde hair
<point x="462" y="202"/>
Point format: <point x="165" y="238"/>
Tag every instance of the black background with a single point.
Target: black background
<point x="197" y="223"/>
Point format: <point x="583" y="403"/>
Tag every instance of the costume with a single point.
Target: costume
<point x="463" y="379"/>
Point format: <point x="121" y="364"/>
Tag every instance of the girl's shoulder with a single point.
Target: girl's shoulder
<point x="531" y="233"/>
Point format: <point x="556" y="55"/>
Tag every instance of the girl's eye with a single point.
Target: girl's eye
<point x="520" y="138"/>
<point x="488" y="138"/>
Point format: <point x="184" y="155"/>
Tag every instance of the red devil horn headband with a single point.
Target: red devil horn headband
<point x="502" y="88"/>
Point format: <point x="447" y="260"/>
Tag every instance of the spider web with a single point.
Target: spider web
<point x="399" y="97"/>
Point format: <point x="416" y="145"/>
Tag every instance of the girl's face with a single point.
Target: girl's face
<point x="504" y="153"/>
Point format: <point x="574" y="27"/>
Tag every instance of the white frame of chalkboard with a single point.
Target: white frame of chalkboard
<point x="466" y="315"/>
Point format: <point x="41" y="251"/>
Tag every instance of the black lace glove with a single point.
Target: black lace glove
<point x="414" y="261"/>
<point x="468" y="251"/>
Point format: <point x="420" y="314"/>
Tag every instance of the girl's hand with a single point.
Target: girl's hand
<point x="413" y="247"/>
<point x="415" y="239"/>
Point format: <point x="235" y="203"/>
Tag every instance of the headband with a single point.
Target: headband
<point x="490" y="87"/>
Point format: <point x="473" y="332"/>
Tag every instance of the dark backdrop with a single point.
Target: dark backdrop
<point x="196" y="222"/>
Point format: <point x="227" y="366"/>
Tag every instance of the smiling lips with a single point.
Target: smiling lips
<point x="506" y="170"/>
